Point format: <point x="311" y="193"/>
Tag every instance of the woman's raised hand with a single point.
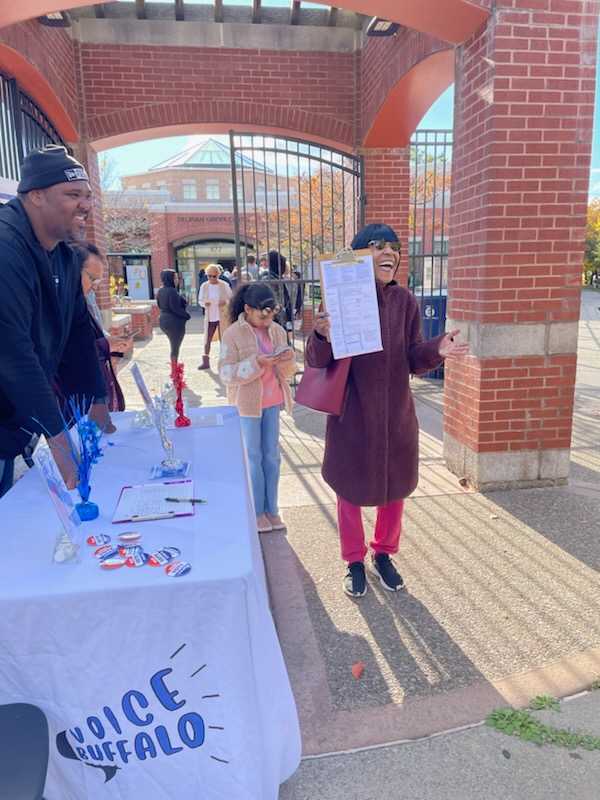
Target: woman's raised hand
<point x="322" y="324"/>
<point x="450" y="348"/>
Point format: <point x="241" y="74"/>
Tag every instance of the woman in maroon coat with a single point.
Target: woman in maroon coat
<point x="372" y="448"/>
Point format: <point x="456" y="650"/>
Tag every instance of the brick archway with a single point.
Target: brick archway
<point x="170" y="119"/>
<point x="409" y="100"/>
<point x="31" y="81"/>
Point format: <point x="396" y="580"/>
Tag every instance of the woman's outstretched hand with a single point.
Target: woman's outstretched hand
<point x="451" y="348"/>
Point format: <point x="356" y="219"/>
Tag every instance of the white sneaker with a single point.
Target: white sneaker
<point x="263" y="524"/>
<point x="277" y="524"/>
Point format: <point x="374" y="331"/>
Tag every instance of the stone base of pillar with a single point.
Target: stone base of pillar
<point x="518" y="469"/>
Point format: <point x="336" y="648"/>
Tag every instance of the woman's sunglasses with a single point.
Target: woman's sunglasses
<point x="380" y="244"/>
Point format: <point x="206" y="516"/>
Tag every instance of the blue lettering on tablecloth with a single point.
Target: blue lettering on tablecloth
<point x="96" y="745"/>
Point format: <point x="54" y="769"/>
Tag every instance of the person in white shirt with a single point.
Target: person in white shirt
<point x="214" y="296"/>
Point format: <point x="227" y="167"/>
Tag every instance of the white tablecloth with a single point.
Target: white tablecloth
<point x="154" y="687"/>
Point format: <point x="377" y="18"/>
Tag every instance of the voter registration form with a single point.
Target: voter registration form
<point x="350" y="299"/>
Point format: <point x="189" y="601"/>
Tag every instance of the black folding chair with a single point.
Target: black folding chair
<point x="23" y="752"/>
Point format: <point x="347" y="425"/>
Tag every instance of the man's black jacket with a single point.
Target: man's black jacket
<point x="40" y="338"/>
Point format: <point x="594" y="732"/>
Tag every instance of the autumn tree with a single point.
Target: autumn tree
<point x="126" y="222"/>
<point x="315" y="214"/>
<point x="592" y="239"/>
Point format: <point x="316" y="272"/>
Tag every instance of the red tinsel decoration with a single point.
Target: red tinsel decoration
<point x="177" y="377"/>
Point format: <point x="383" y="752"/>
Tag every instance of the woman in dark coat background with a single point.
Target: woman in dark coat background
<point x="372" y="448"/>
<point x="278" y="272"/>
<point x="173" y="315"/>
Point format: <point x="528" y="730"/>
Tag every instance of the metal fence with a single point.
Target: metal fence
<point x="430" y="175"/>
<point x="302" y="200"/>
<point x="23" y="127"/>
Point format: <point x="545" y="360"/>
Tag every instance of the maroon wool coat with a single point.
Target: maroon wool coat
<point x="372" y="448"/>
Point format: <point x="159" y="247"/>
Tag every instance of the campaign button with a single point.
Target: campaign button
<point x="172" y="551"/>
<point x="98" y="539"/>
<point x="160" y="558"/>
<point x="137" y="558"/>
<point x="106" y="550"/>
<point x="178" y="568"/>
<point x="127" y="549"/>
<point x="130" y="537"/>
<point x="112" y="562"/>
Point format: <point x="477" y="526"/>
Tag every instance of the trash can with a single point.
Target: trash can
<point x="433" y="321"/>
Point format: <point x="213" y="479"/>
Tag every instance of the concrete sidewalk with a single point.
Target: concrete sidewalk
<point x="502" y="604"/>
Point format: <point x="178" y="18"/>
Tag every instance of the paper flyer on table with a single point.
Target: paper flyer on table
<point x="149" y="501"/>
<point x="350" y="299"/>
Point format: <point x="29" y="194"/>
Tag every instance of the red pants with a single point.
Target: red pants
<point x="352" y="535"/>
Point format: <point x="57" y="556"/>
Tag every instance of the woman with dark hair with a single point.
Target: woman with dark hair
<point x="371" y="449"/>
<point x="173" y="315"/>
<point x="256" y="365"/>
<point x="92" y="267"/>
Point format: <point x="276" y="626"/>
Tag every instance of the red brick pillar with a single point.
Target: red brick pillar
<point x="160" y="247"/>
<point x="95" y="231"/>
<point x="523" y="130"/>
<point x="386" y="180"/>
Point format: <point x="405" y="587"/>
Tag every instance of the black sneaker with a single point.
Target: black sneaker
<point x="355" y="580"/>
<point x="383" y="566"/>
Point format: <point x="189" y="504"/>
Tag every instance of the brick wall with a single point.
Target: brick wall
<point x="386" y="187"/>
<point x="130" y="88"/>
<point x="51" y="51"/>
<point x="523" y="130"/>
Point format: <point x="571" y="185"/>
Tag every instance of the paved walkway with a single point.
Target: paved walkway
<point x="502" y="604"/>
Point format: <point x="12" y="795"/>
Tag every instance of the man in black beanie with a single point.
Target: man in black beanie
<point x="45" y="333"/>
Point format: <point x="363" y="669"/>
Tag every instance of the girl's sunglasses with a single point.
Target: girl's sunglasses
<point x="380" y="244"/>
<point x="267" y="311"/>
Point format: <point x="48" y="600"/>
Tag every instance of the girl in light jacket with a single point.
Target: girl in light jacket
<point x="256" y="365"/>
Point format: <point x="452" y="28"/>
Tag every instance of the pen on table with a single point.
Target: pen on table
<point x="192" y="500"/>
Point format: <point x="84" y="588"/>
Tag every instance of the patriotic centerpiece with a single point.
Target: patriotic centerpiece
<point x="85" y="452"/>
<point x="181" y="420"/>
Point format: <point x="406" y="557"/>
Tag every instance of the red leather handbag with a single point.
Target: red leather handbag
<point x="324" y="388"/>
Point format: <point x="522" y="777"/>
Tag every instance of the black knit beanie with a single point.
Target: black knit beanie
<point x="48" y="166"/>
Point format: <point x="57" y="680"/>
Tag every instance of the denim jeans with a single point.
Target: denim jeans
<point x="6" y="474"/>
<point x="261" y="436"/>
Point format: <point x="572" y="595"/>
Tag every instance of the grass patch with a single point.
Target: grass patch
<point x="522" y="724"/>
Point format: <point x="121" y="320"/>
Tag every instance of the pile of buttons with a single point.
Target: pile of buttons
<point x="129" y="552"/>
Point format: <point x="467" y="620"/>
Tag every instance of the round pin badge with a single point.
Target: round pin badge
<point x="160" y="558"/>
<point x="175" y="552"/>
<point x="130" y="537"/>
<point x="137" y="558"/>
<point x="113" y="562"/>
<point x="106" y="550"/>
<point x="98" y="539"/>
<point x="178" y="568"/>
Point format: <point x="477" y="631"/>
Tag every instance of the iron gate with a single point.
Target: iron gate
<point x="430" y="174"/>
<point x="302" y="200"/>
<point x="23" y="127"/>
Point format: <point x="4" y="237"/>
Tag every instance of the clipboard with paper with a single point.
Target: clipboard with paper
<point x="350" y="299"/>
